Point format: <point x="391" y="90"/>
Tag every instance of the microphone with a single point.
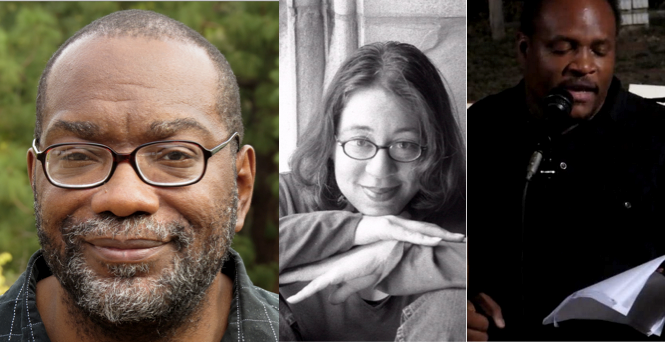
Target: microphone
<point x="557" y="105"/>
<point x="534" y="163"/>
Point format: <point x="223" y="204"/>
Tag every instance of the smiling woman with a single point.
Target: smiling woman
<point x="373" y="183"/>
<point x="373" y="213"/>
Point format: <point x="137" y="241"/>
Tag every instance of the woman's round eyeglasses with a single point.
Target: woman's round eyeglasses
<point x="401" y="151"/>
<point x="167" y="163"/>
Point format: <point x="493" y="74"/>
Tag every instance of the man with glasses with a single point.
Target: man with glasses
<point x="140" y="183"/>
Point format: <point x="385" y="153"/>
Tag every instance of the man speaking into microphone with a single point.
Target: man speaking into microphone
<point x="592" y="206"/>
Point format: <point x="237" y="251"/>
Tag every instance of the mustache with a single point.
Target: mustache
<point x="74" y="231"/>
<point x="579" y="85"/>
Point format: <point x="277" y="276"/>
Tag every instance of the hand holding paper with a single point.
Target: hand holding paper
<point x="635" y="297"/>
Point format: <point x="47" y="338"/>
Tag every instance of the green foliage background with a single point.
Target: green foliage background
<point x="245" y="32"/>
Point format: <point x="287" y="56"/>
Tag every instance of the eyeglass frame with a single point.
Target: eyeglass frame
<point x="131" y="158"/>
<point x="379" y="147"/>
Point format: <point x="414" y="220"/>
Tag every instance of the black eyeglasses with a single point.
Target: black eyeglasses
<point x="167" y="163"/>
<point x="401" y="151"/>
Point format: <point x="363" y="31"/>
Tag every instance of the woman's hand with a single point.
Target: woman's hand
<point x="355" y="270"/>
<point x="385" y="228"/>
<point x="361" y="267"/>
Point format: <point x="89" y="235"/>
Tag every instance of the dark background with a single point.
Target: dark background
<point x="245" y="32"/>
<point x="492" y="64"/>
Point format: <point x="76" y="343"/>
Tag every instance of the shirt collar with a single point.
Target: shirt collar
<point x="254" y="314"/>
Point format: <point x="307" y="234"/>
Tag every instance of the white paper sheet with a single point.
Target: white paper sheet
<point x="635" y="297"/>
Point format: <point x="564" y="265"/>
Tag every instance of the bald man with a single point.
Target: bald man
<point x="140" y="182"/>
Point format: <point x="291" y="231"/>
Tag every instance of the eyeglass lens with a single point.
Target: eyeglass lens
<point x="161" y="163"/>
<point x="403" y="151"/>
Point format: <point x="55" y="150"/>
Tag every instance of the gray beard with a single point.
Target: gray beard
<point x="120" y="307"/>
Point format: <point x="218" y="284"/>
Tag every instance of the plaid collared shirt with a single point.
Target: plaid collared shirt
<point x="254" y="313"/>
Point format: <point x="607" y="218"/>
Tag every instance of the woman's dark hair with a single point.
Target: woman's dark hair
<point x="405" y="72"/>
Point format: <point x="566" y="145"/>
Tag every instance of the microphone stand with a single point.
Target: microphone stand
<point x="558" y="104"/>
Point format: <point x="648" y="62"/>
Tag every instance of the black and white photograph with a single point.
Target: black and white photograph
<point x="372" y="183"/>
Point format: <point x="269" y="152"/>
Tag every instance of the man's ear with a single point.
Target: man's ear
<point x="32" y="160"/>
<point x="523" y="47"/>
<point x="246" y="167"/>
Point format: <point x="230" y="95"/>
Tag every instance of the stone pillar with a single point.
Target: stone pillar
<point x="309" y="57"/>
<point x="343" y="35"/>
<point x="302" y="68"/>
<point x="287" y="85"/>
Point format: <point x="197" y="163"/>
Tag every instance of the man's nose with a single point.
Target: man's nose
<point x="125" y="194"/>
<point x="584" y="63"/>
<point x="381" y="165"/>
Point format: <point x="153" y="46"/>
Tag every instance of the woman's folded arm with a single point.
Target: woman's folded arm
<point x="309" y="237"/>
<point x="422" y="268"/>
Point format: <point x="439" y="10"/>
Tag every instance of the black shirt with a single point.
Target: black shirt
<point x="598" y="212"/>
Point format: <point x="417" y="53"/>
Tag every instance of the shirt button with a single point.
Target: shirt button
<point x="627" y="205"/>
<point x="563" y="165"/>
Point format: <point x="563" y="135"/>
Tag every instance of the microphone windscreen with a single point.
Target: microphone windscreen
<point x="558" y="103"/>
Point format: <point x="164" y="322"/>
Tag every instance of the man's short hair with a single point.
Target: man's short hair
<point x="148" y="24"/>
<point x="531" y="10"/>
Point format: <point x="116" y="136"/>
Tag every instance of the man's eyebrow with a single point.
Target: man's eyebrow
<point x="163" y="129"/>
<point x="159" y="130"/>
<point x="82" y="129"/>
<point x="597" y="41"/>
<point x="559" y="38"/>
